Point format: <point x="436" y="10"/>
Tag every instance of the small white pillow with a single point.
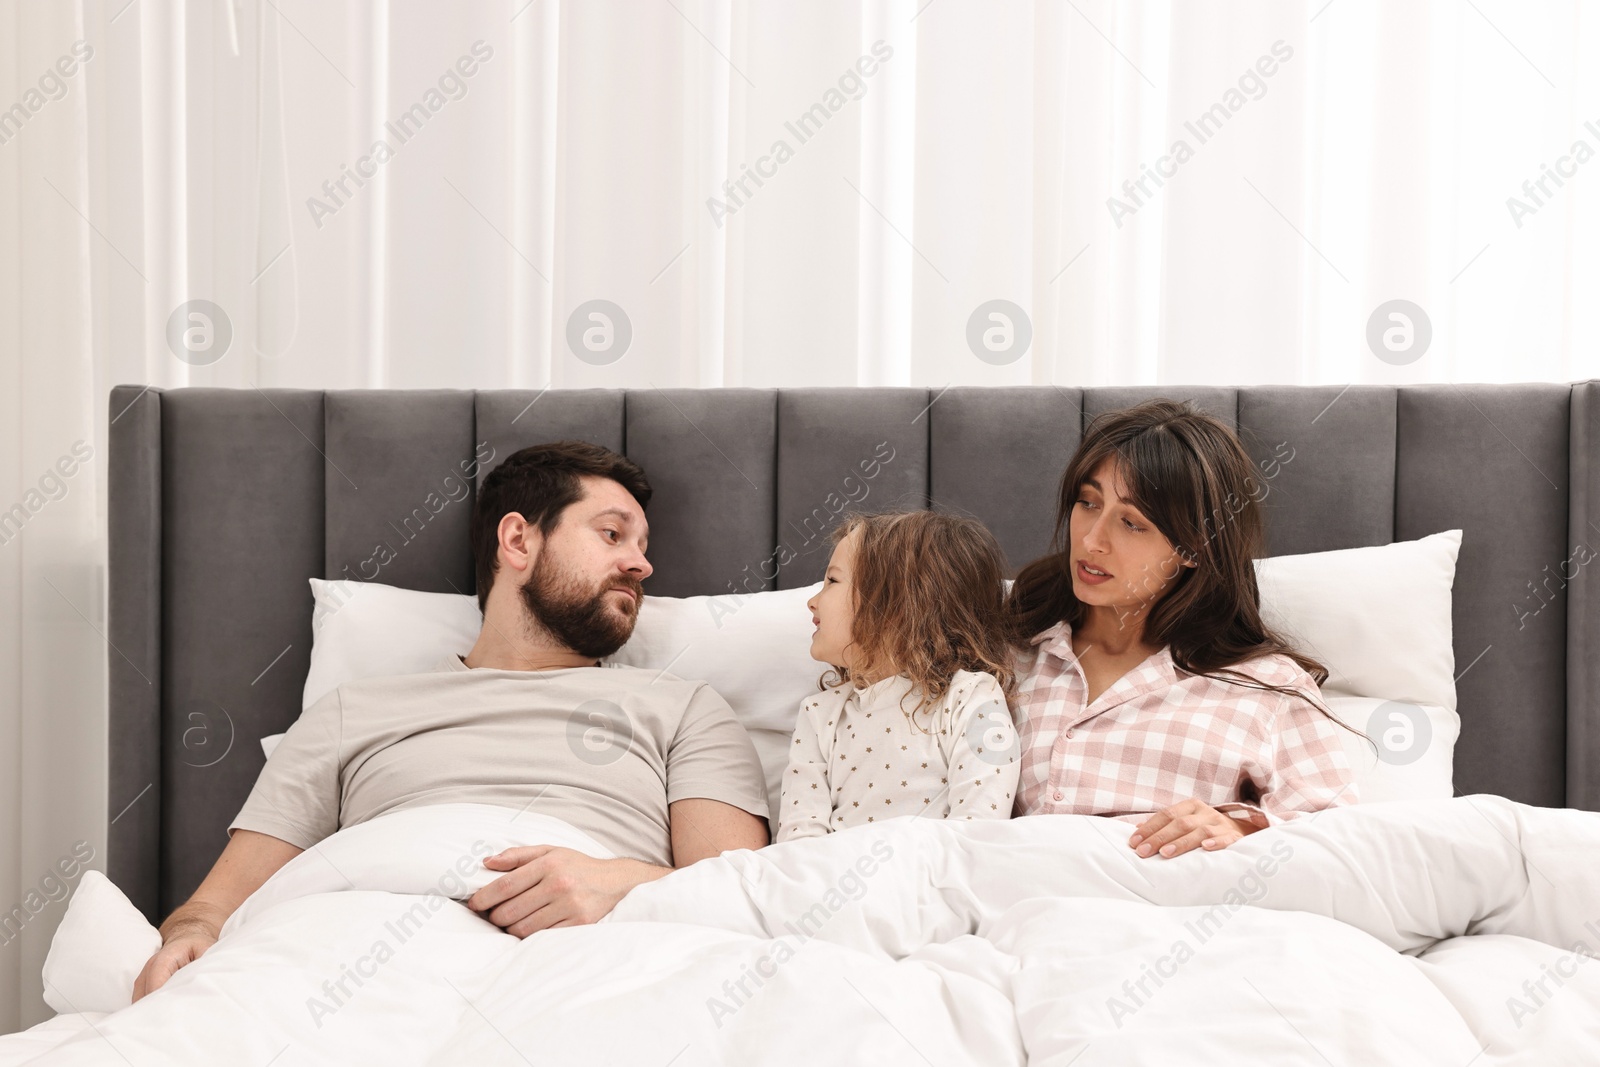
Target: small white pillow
<point x="1411" y="754"/>
<point x="99" y="949"/>
<point x="1377" y="618"/>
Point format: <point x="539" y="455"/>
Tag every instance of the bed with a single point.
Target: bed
<point x="1400" y="933"/>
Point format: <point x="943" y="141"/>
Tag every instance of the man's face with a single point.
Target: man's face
<point x="585" y="587"/>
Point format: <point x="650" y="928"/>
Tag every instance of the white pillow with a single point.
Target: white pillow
<point x="367" y="630"/>
<point x="1377" y="618"/>
<point x="752" y="648"/>
<point x="748" y="646"/>
<point x="99" y="949"/>
<point x="1411" y="752"/>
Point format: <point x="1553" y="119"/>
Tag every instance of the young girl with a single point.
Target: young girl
<point x="916" y="720"/>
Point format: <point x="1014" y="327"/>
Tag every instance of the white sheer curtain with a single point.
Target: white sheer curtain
<point x="542" y="155"/>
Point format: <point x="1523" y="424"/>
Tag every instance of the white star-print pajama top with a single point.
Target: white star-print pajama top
<point x="858" y="757"/>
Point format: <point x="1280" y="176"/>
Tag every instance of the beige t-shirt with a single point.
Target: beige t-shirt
<point x="604" y="748"/>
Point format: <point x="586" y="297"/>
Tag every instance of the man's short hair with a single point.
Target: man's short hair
<point x="539" y="483"/>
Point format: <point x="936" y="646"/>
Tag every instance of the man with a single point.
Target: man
<point x="559" y="538"/>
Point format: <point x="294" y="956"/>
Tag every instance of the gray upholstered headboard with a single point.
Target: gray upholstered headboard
<point x="224" y="502"/>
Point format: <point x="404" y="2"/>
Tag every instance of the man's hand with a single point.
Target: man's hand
<point x="548" y="886"/>
<point x="1185" y="825"/>
<point x="169" y="959"/>
<point x="248" y="860"/>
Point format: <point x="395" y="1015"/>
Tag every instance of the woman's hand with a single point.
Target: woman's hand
<point x="1186" y="824"/>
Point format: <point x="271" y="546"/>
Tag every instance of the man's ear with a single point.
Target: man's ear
<point x="519" y="540"/>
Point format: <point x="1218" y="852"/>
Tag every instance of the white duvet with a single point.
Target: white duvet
<point x="1452" y="932"/>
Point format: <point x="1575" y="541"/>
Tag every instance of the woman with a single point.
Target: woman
<point x="1148" y="686"/>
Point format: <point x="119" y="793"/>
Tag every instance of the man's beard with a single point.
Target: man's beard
<point x="576" y="616"/>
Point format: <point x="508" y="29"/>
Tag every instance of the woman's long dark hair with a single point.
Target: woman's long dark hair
<point x="1190" y="476"/>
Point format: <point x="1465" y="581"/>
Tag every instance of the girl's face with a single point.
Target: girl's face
<point x="833" y="609"/>
<point x="1136" y="564"/>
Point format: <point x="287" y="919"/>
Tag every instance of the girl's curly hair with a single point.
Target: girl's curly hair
<point x="929" y="600"/>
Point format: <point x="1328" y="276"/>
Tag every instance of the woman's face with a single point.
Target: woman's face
<point x="833" y="609"/>
<point x="1136" y="564"/>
